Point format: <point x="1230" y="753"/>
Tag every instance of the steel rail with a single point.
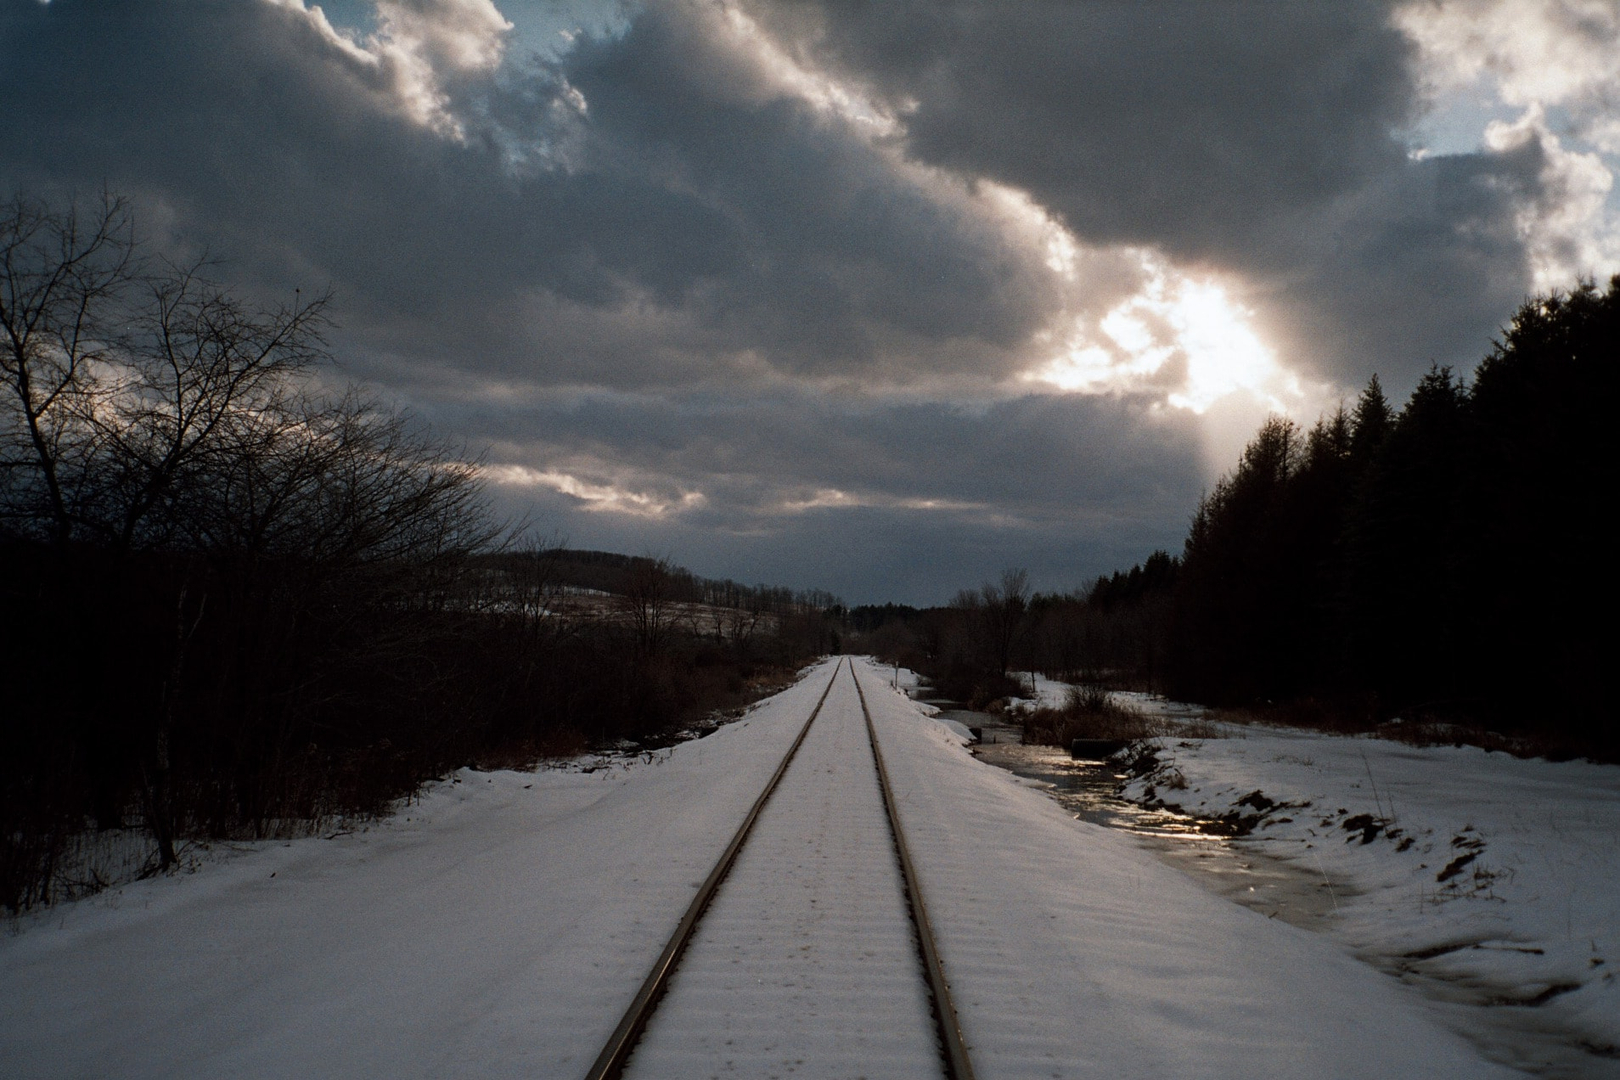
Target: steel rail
<point x="952" y="1043"/>
<point x="611" y="1061"/>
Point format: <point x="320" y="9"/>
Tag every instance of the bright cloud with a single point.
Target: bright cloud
<point x="418" y="46"/>
<point x="1563" y="226"/>
<point x="595" y="496"/>
<point x="1548" y="52"/>
<point x="1505" y="64"/>
<point x="781" y="73"/>
<point x="833" y="498"/>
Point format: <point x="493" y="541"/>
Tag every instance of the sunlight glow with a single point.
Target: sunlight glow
<point x="1223" y="353"/>
<point x="1178" y="335"/>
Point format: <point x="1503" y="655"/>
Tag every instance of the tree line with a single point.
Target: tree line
<point x="1436" y="561"/>
<point x="610" y="572"/>
<point x="238" y="596"/>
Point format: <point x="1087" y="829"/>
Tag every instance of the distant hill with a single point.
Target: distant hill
<point x="611" y="572"/>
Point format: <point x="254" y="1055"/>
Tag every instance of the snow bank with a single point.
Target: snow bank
<point x="1497" y="876"/>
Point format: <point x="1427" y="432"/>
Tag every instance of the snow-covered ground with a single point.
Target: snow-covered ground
<point x="1043" y="693"/>
<point x="1488" y="880"/>
<point x="1046" y="693"/>
<point x="499" y="926"/>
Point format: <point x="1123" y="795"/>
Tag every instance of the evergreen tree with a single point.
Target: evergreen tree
<point x="1370" y="425"/>
<point x="1404" y="560"/>
<point x="1544" y="470"/>
<point x="1312" y="556"/>
<point x="1226" y="627"/>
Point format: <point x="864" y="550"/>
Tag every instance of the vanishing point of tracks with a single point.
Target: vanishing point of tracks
<point x="952" y="1049"/>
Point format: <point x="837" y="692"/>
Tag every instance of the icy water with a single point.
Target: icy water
<point x="1241" y="871"/>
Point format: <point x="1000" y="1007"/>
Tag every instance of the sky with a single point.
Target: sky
<point x="878" y="298"/>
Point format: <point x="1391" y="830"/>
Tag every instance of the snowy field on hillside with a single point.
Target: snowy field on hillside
<point x="499" y="925"/>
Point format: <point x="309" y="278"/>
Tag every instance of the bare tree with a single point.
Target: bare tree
<point x="161" y="439"/>
<point x="735" y="626"/>
<point x="120" y="378"/>
<point x="1004" y="605"/>
<point x="202" y="364"/>
<point x="64" y="275"/>
<point x="648" y="604"/>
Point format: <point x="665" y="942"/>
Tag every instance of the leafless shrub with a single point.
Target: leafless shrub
<point x="1196" y="728"/>
<point x="1089" y="713"/>
<point x="648" y="603"/>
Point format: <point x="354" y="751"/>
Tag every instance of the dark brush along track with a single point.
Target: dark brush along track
<point x="611" y="1061"/>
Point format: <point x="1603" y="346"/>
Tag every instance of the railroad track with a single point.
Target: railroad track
<point x="954" y="1061"/>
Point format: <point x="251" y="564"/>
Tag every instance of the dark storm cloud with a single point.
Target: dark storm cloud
<point x="692" y="213"/>
<point x="1258" y="138"/>
<point x="693" y="225"/>
<point x="698" y="222"/>
<point x="1422" y="268"/>
<point x="1193" y="123"/>
<point x="819" y="235"/>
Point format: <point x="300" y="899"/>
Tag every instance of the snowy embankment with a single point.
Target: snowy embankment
<point x="499" y="926"/>
<point x="1489" y="879"/>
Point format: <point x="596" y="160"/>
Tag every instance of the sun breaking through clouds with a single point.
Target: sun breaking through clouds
<point x="1192" y="330"/>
